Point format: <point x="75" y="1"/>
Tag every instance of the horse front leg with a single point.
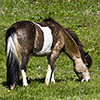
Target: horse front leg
<point x="52" y="74"/>
<point x="50" y="71"/>
<point x="48" y="75"/>
<point x="23" y="69"/>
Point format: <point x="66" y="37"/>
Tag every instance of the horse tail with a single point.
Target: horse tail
<point x="12" y="60"/>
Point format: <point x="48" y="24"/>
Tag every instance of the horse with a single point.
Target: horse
<point x="47" y="38"/>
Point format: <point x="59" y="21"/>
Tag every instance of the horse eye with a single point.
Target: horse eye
<point x="79" y="72"/>
<point x="86" y="64"/>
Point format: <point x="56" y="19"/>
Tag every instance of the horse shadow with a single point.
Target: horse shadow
<point x="42" y="80"/>
<point x="39" y="80"/>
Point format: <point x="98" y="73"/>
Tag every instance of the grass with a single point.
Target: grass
<point x="82" y="17"/>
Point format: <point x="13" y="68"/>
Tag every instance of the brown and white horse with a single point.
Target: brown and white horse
<point x="47" y="38"/>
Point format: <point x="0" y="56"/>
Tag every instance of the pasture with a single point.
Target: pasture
<point x="81" y="17"/>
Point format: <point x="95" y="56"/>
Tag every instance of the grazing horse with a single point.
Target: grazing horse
<point x="47" y="38"/>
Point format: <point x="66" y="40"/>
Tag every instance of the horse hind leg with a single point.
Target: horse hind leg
<point x="25" y="59"/>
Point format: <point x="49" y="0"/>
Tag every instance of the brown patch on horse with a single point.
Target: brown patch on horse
<point x="38" y="40"/>
<point x="71" y="48"/>
<point x="25" y="33"/>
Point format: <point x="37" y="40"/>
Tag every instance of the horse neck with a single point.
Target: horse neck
<point x="71" y="47"/>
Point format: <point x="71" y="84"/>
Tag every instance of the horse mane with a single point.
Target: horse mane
<point x="77" y="41"/>
<point x="51" y="20"/>
<point x="74" y="36"/>
<point x="48" y="19"/>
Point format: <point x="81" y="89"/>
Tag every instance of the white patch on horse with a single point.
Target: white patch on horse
<point x="81" y="67"/>
<point x="48" y="75"/>
<point x="48" y="40"/>
<point x="52" y="78"/>
<point x="24" y="78"/>
<point x="87" y="76"/>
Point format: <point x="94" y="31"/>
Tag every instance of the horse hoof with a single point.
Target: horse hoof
<point x="53" y="81"/>
<point x="46" y="82"/>
<point x="87" y="80"/>
<point x="25" y="84"/>
<point x="12" y="86"/>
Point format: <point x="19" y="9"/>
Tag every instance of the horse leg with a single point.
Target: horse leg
<point x="50" y="71"/>
<point x="48" y="75"/>
<point x="23" y="69"/>
<point x="51" y="60"/>
<point x="52" y="74"/>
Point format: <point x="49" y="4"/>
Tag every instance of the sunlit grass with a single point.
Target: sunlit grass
<point x="83" y="18"/>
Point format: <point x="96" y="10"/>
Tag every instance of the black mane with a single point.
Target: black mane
<point x="48" y="19"/>
<point x="74" y="36"/>
<point x="51" y="20"/>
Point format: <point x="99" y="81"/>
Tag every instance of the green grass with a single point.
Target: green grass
<point x="82" y="17"/>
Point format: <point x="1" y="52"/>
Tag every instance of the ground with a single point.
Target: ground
<point x="80" y="16"/>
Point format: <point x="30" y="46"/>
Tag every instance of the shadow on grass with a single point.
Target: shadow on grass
<point x="42" y="80"/>
<point x="4" y="83"/>
<point x="39" y="80"/>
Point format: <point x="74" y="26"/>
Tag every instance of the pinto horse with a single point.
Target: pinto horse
<point x="47" y="38"/>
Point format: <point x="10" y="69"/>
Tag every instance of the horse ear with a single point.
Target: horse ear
<point x="86" y="54"/>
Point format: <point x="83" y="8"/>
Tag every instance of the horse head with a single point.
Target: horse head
<point x="81" y="67"/>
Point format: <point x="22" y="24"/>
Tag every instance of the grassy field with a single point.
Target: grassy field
<point x="83" y="18"/>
